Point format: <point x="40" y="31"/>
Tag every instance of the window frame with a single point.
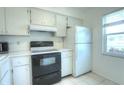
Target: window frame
<point x="104" y="38"/>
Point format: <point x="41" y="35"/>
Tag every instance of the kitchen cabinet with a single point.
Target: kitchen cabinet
<point x="5" y="71"/>
<point x="17" y="21"/>
<point x="14" y="21"/>
<point x="66" y="62"/>
<point x="42" y="17"/>
<point x="7" y="79"/>
<point x="21" y="75"/>
<point x="21" y="70"/>
<point x="66" y="66"/>
<point x="61" y="23"/>
<point x="2" y="24"/>
<point x="74" y="22"/>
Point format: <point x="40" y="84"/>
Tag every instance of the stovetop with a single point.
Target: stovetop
<point x="37" y="52"/>
<point x="49" y="50"/>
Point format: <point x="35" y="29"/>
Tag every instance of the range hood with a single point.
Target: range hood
<point x="42" y="28"/>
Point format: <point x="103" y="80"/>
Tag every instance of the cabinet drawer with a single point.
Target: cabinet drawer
<point x="66" y="54"/>
<point x="18" y="61"/>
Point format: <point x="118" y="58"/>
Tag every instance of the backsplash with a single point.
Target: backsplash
<point x="22" y="43"/>
<point x="47" y="36"/>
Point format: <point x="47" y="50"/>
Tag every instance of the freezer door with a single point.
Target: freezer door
<point x="83" y="35"/>
<point x="82" y="62"/>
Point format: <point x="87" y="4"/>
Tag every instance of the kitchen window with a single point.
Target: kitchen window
<point x="113" y="34"/>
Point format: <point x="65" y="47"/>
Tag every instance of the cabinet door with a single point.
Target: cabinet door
<point x="5" y="72"/>
<point x="61" y="23"/>
<point x="41" y="17"/>
<point x="74" y="22"/>
<point x="2" y="25"/>
<point x="66" y="66"/>
<point x="21" y="75"/>
<point x="7" y="79"/>
<point x="49" y="19"/>
<point x="17" y="21"/>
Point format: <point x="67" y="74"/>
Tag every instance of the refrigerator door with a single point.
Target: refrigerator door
<point x="83" y="35"/>
<point x="82" y="62"/>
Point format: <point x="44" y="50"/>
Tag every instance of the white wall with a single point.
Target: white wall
<point x="107" y="66"/>
<point x="21" y="43"/>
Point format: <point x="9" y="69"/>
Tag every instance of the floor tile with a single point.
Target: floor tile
<point x="86" y="79"/>
<point x="108" y="82"/>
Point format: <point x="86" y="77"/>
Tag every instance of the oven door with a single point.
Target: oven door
<point x="43" y="64"/>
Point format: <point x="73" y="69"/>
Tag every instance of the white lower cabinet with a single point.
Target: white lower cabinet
<point x="21" y="75"/>
<point x="7" y="79"/>
<point x="21" y="70"/>
<point x="66" y="62"/>
<point x="66" y="66"/>
<point x="5" y="72"/>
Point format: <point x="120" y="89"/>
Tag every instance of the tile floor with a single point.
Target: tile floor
<point x="86" y="79"/>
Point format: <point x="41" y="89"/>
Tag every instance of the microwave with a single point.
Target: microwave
<point x="3" y="47"/>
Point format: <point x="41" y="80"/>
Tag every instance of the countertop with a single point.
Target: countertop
<point x="65" y="49"/>
<point x="28" y="53"/>
<point x="19" y="53"/>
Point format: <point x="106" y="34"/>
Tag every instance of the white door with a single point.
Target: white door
<point x="83" y="35"/>
<point x="7" y="79"/>
<point x="82" y="62"/>
<point x="17" y="21"/>
<point x="5" y="71"/>
<point x="74" y="21"/>
<point x="49" y="19"/>
<point x="21" y="75"/>
<point x="61" y="25"/>
<point x="37" y="17"/>
<point x="2" y="25"/>
<point x="42" y="17"/>
<point x="66" y="66"/>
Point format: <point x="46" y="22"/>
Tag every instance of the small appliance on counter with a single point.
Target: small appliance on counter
<point x="3" y="47"/>
<point x="46" y="63"/>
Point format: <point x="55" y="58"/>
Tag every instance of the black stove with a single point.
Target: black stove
<point x="46" y="67"/>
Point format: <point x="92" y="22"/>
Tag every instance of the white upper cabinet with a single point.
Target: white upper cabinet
<point x="74" y="21"/>
<point x="17" y="21"/>
<point x="42" y="17"/>
<point x="61" y="23"/>
<point x="2" y="21"/>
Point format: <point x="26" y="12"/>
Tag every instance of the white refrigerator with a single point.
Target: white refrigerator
<point x="79" y="39"/>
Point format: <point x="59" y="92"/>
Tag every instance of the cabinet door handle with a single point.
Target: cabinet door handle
<point x="28" y="30"/>
<point x="1" y="31"/>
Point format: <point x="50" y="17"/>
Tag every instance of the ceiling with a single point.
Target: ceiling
<point x="81" y="12"/>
